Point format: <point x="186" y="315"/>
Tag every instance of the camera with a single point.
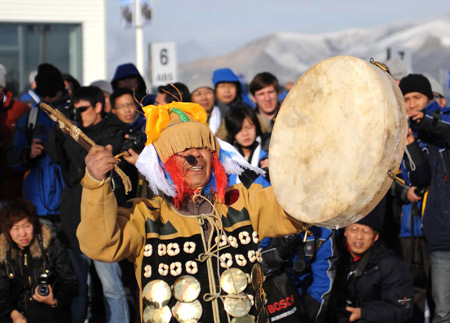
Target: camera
<point x="136" y="141"/>
<point x="420" y="192"/>
<point x="43" y="283"/>
<point x="342" y="315"/>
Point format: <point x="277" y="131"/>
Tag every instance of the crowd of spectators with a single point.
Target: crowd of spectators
<point x="358" y="274"/>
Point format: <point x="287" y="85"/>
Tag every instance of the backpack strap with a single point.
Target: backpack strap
<point x="32" y="120"/>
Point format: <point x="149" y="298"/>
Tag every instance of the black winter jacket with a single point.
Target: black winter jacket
<point x="435" y="134"/>
<point x="379" y="283"/>
<point x="19" y="274"/>
<point x="70" y="155"/>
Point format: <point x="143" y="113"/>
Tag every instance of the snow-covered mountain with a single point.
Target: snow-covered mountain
<point x="288" y="55"/>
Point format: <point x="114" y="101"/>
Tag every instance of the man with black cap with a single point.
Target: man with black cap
<point x="417" y="94"/>
<point x="430" y="132"/>
<point x="43" y="184"/>
<point x="372" y="284"/>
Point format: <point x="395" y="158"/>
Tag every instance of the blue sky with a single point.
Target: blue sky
<point x="217" y="27"/>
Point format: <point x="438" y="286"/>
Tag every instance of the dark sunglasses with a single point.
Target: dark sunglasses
<point x="83" y="108"/>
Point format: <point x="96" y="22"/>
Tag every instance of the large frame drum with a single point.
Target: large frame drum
<point x="340" y="130"/>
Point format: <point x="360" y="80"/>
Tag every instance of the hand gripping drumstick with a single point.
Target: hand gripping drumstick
<point x="68" y="127"/>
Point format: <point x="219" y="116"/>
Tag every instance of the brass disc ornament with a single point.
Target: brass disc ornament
<point x="157" y="293"/>
<point x="186" y="288"/>
<point x="157" y="315"/>
<point x="233" y="281"/>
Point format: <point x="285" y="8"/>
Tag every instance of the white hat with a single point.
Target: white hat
<point x="32" y="76"/>
<point x="103" y="85"/>
<point x="198" y="81"/>
<point x="2" y="76"/>
<point x="435" y="86"/>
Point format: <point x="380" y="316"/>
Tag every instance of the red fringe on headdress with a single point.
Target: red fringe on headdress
<point x="221" y="178"/>
<point x="174" y="166"/>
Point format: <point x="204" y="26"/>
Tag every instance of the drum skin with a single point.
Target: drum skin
<point x="339" y="131"/>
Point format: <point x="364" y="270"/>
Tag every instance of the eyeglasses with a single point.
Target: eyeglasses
<point x="125" y="105"/>
<point x="83" y="108"/>
<point x="364" y="231"/>
<point x="248" y="127"/>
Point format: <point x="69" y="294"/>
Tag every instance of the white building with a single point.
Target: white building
<point x="68" y="34"/>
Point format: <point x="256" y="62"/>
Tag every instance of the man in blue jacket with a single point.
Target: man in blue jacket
<point x="43" y="183"/>
<point x="309" y="261"/>
<point x="431" y="123"/>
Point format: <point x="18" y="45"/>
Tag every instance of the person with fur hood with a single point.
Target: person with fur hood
<point x="37" y="282"/>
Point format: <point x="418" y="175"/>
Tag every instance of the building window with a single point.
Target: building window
<point x="25" y="46"/>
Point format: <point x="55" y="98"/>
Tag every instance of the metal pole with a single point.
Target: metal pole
<point x="139" y="38"/>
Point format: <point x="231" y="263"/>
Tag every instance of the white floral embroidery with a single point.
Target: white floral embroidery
<point x="189" y="247"/>
<point x="240" y="260"/>
<point x="222" y="240"/>
<point x="191" y="267"/>
<point x="148" y="250"/>
<point x="173" y="249"/>
<point x="233" y="241"/>
<point x="148" y="271"/>
<point x="244" y="237"/>
<point x="175" y="268"/>
<point x="226" y="260"/>
<point x="162" y="250"/>
<point x="251" y="255"/>
<point x="255" y="237"/>
<point x="259" y="256"/>
<point x="163" y="269"/>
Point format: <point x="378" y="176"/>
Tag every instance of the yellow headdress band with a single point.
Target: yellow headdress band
<point x="178" y="126"/>
<point x="158" y="117"/>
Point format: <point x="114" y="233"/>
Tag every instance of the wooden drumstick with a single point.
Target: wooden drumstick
<point x="68" y="127"/>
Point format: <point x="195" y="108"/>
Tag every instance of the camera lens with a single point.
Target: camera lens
<point x="43" y="290"/>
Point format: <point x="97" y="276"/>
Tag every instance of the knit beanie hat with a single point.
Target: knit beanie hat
<point x="48" y="80"/>
<point x="32" y="76"/>
<point x="435" y="86"/>
<point x="199" y="81"/>
<point x="375" y="218"/>
<point x="416" y="83"/>
<point x="2" y="76"/>
<point x="103" y="85"/>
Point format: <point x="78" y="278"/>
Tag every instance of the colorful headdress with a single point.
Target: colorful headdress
<point x="173" y="128"/>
